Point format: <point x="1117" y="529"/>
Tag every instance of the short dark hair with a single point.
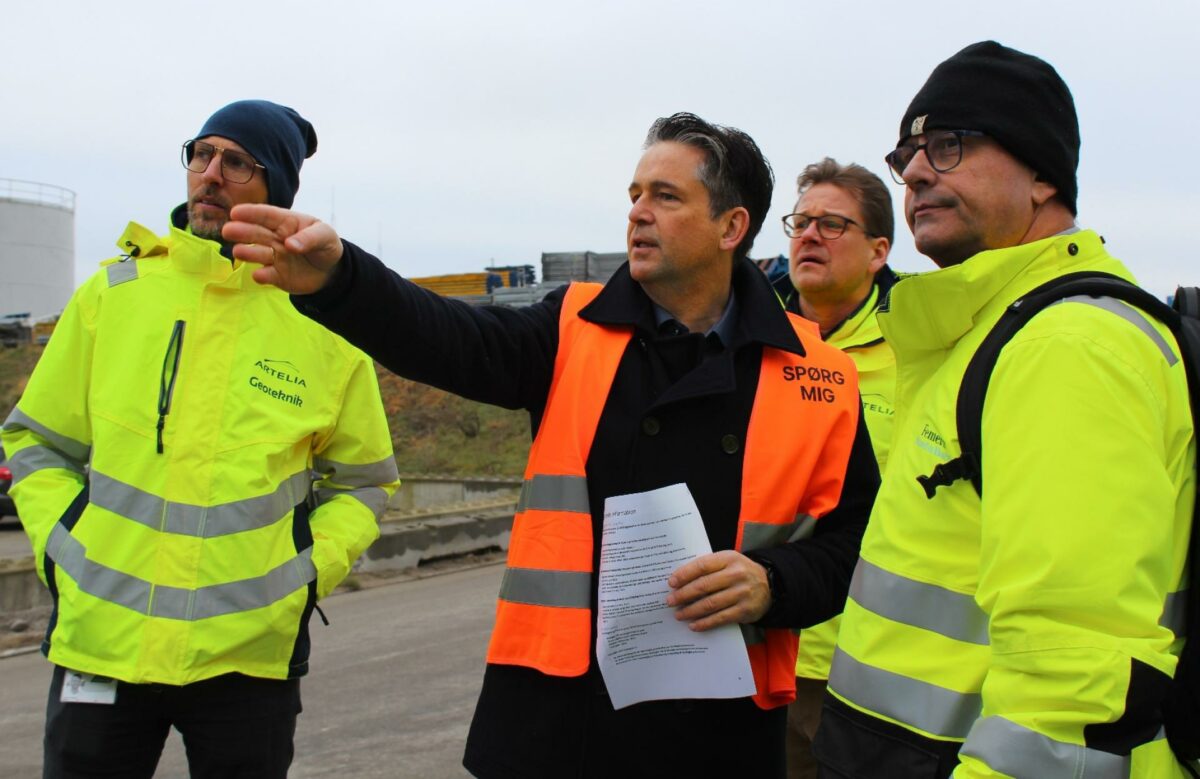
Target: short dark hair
<point x="874" y="198"/>
<point x="734" y="172"/>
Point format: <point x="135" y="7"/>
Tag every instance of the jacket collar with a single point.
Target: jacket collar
<point x="860" y="327"/>
<point x="192" y="254"/>
<point x="179" y="222"/>
<point x="933" y="310"/>
<point x="761" y="319"/>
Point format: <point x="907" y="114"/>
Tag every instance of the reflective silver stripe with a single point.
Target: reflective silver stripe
<point x="374" y="498"/>
<point x="232" y="597"/>
<point x="1010" y="749"/>
<point x="1174" y="616"/>
<point x="540" y="587"/>
<point x="76" y="450"/>
<point x="760" y="535"/>
<point x="364" y="475"/>
<point x="1131" y="315"/>
<point x="931" y="708"/>
<point x="805" y="527"/>
<point x="202" y="521"/>
<point x="36" y="458"/>
<point x="554" y="493"/>
<point x="945" y="612"/>
<point x="173" y="602"/>
<point x="121" y="272"/>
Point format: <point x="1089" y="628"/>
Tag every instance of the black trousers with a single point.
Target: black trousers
<point x="232" y="726"/>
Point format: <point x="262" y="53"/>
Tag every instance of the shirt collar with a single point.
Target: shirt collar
<point x="758" y="316"/>
<point x="724" y="329"/>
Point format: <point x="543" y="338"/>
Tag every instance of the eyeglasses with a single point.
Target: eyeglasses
<point x="943" y="149"/>
<point x="830" y="227"/>
<point x="237" y="167"/>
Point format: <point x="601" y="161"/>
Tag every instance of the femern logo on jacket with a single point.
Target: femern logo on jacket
<point x="932" y="441"/>
<point x="278" y="379"/>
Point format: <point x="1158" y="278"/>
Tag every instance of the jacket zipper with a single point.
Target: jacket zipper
<point x="166" y="382"/>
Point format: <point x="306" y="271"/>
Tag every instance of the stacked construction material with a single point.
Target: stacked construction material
<point x="459" y="284"/>
<point x="561" y="267"/>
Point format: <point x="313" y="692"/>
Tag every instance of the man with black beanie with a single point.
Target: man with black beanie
<point x="196" y="464"/>
<point x="1030" y="632"/>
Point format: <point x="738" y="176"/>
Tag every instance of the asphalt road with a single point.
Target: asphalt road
<point x="393" y="684"/>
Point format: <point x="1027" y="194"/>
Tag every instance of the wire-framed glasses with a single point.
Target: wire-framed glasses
<point x="237" y="167"/>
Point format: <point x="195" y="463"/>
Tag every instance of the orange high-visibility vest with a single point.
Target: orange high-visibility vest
<point x="801" y="430"/>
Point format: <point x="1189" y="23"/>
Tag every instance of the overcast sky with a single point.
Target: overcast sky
<point x="454" y="135"/>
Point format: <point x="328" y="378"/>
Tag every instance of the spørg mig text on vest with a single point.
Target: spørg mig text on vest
<point x="819" y="382"/>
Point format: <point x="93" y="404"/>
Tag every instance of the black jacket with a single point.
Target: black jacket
<point x="699" y="395"/>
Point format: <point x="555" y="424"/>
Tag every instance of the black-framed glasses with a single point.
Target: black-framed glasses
<point x="237" y="167"/>
<point x="830" y="226"/>
<point x="943" y="149"/>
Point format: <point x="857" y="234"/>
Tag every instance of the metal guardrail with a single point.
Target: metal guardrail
<point x="37" y="193"/>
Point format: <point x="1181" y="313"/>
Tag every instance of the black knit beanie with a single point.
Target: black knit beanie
<point x="278" y="137"/>
<point x="1016" y="98"/>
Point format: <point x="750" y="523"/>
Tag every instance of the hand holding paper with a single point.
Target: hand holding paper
<point x="719" y="589"/>
<point x="644" y="652"/>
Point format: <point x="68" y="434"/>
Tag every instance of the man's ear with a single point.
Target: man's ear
<point x="1042" y="190"/>
<point x="880" y="247"/>
<point x="736" y="225"/>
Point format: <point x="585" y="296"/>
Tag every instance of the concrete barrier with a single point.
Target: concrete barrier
<point x="20" y="587"/>
<point x="421" y="491"/>
<point x="409" y="543"/>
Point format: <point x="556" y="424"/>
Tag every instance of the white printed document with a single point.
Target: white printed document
<point x="645" y="654"/>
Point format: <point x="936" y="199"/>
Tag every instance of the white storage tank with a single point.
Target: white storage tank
<point x="37" y="248"/>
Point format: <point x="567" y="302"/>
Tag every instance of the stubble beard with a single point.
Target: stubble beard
<point x="205" y="227"/>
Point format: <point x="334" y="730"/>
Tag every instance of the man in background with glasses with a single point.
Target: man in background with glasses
<point x="1028" y="632"/>
<point x="164" y="455"/>
<point x="840" y="235"/>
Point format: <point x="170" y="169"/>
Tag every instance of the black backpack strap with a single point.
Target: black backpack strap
<point x="973" y="390"/>
<point x="1181" y="710"/>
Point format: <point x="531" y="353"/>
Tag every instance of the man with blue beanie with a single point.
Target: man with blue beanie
<point x="196" y="465"/>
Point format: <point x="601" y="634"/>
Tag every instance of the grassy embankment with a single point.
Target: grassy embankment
<point x="432" y="431"/>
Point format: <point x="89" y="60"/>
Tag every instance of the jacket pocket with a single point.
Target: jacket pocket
<point x="853" y="745"/>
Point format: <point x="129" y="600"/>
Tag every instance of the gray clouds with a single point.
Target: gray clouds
<point x="457" y="134"/>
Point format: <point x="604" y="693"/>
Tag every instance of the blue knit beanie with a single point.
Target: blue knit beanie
<point x="275" y="135"/>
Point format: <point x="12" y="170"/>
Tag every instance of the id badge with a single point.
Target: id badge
<point x="88" y="688"/>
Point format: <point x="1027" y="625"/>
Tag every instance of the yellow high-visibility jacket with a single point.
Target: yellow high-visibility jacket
<point x="859" y="337"/>
<point x="1037" y="627"/>
<point x="164" y="455"/>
